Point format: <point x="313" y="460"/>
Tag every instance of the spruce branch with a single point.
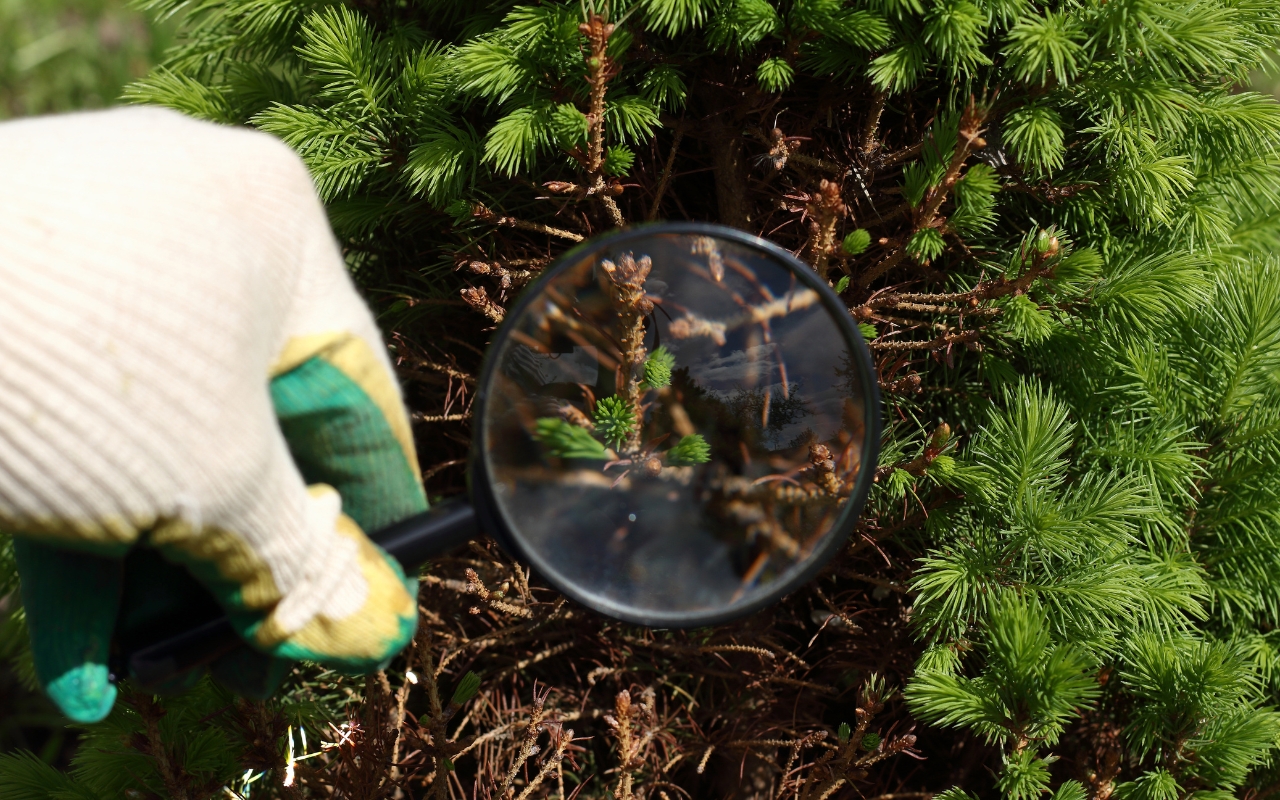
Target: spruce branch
<point x="690" y="450"/>
<point x="615" y="421"/>
<point x="178" y="783"/>
<point x="925" y="215"/>
<point x="937" y="445"/>
<point x="1132" y="491"/>
<point x="968" y="139"/>
<point x="657" y="368"/>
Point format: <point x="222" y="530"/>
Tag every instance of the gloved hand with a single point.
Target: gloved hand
<point x="185" y="365"/>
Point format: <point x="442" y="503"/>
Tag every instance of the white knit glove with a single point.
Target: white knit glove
<point x="175" y="318"/>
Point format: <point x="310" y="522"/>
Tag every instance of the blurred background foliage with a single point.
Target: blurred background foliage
<point x="62" y="55"/>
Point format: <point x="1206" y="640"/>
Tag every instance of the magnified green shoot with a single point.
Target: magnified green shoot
<point x="690" y="450"/>
<point x="657" y="367"/>
<point x="856" y="242"/>
<point x="566" y="440"/>
<point x="466" y="689"/>
<point x="614" y="420"/>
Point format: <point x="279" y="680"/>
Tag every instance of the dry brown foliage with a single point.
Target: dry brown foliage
<point x="575" y="705"/>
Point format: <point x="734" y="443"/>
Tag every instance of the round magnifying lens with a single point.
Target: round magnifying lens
<point x="677" y="425"/>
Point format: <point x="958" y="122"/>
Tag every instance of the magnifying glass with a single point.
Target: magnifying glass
<point x="675" y="426"/>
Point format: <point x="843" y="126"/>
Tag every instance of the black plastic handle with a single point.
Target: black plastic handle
<point x="411" y="542"/>
<point x="417" y="539"/>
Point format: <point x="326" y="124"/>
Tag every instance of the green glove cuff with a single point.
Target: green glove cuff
<point x="71" y="601"/>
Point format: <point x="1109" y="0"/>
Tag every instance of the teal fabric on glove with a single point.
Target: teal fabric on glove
<point x="71" y="601"/>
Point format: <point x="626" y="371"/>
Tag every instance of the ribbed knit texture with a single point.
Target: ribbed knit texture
<point x="153" y="272"/>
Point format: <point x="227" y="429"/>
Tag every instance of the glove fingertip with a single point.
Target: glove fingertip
<point x="84" y="693"/>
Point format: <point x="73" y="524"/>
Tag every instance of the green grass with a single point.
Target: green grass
<point x="63" y="55"/>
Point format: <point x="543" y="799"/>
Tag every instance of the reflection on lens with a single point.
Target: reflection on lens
<point x="675" y="425"/>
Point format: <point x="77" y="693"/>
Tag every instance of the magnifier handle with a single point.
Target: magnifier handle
<point x="415" y="540"/>
<point x="411" y="542"/>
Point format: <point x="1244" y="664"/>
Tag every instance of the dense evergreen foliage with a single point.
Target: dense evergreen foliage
<point x="1055" y="222"/>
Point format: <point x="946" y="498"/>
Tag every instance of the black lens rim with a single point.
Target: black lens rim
<point x="492" y="518"/>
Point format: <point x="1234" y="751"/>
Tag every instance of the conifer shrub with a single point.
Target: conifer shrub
<point x="1055" y="225"/>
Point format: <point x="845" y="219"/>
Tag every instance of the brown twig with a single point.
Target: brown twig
<point x="418" y="416"/>
<point x="666" y="172"/>
<point x="600" y="69"/>
<point x="480" y="212"/>
<point x="904" y="154"/>
<point x="626" y="285"/>
<point x="941" y="342"/>
<point x="872" y="123"/>
<point x="1042" y="265"/>
<point x="887" y="263"/>
<point x="827" y="209"/>
<point x="529" y="745"/>
<point x="968" y="139"/>
<point x="920" y="464"/>
<point x="552" y="763"/>
<point x="508" y="278"/>
<point x="627" y="717"/>
<point x="478" y="298"/>
<point x="425" y="363"/>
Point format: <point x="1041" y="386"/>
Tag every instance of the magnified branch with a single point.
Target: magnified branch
<point x="642" y="431"/>
<point x="626" y="287"/>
